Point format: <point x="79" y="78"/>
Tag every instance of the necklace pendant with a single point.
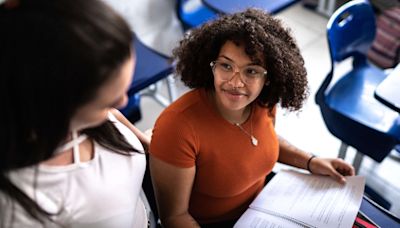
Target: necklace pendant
<point x="254" y="141"/>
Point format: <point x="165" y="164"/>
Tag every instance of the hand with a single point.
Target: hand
<point x="334" y="167"/>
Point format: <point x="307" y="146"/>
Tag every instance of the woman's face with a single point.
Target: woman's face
<point x="110" y="95"/>
<point x="236" y="93"/>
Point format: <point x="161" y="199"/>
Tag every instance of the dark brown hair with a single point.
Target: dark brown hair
<point x="266" y="42"/>
<point x="55" y="55"/>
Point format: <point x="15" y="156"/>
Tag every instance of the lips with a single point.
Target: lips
<point x="234" y="93"/>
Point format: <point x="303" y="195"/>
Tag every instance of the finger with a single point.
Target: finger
<point x="337" y="176"/>
<point x="345" y="171"/>
<point x="344" y="168"/>
<point x="352" y="171"/>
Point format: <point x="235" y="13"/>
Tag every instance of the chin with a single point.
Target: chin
<point x="234" y="106"/>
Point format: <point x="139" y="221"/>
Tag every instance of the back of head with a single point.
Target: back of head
<point x="54" y="55"/>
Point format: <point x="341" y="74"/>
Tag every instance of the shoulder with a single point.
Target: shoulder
<point x="119" y="121"/>
<point x="187" y="101"/>
<point x="175" y="138"/>
<point x="265" y="111"/>
<point x="185" y="109"/>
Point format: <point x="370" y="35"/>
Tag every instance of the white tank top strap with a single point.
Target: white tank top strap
<point x="74" y="144"/>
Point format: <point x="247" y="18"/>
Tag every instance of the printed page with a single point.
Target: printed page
<point x="313" y="200"/>
<point x="256" y="219"/>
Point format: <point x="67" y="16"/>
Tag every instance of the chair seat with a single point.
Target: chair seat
<point x="353" y="96"/>
<point x="132" y="110"/>
<point x="352" y="114"/>
<point x="150" y="68"/>
<point x="194" y="13"/>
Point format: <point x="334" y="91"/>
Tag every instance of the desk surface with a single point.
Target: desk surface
<point x="231" y="6"/>
<point x="388" y="91"/>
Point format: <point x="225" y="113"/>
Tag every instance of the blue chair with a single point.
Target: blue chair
<point x="193" y="13"/>
<point x="151" y="67"/>
<point x="132" y="109"/>
<point x="348" y="107"/>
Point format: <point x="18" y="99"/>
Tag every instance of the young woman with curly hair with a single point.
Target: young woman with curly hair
<point x="213" y="148"/>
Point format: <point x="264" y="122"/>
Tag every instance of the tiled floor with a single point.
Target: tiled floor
<point x="306" y="129"/>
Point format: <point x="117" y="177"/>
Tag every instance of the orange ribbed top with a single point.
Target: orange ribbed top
<point x="230" y="171"/>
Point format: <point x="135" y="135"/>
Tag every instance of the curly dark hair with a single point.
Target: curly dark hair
<point x="266" y="42"/>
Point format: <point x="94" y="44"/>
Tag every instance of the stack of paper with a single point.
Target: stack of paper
<point x="294" y="199"/>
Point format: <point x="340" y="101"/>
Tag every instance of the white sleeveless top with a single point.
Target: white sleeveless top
<point x="103" y="192"/>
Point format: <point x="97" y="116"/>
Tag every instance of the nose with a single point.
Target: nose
<point x="236" y="80"/>
<point x="123" y="102"/>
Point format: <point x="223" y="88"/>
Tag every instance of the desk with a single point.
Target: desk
<point x="380" y="216"/>
<point x="232" y="6"/>
<point x="388" y="92"/>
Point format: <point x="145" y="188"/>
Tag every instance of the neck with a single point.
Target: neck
<point x="233" y="116"/>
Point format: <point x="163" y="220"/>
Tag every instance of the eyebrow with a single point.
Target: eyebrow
<point x="227" y="58"/>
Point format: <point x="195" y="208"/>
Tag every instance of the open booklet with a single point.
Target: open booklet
<point x="294" y="199"/>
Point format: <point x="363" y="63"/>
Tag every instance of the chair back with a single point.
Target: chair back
<point x="351" y="30"/>
<point x="193" y="13"/>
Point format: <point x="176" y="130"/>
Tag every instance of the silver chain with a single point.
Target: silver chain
<point x="253" y="139"/>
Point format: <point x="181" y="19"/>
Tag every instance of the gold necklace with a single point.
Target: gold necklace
<point x="253" y="139"/>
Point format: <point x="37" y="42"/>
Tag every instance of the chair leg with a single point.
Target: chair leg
<point x="357" y="161"/>
<point x="343" y="150"/>
<point x="171" y="88"/>
<point x="152" y="91"/>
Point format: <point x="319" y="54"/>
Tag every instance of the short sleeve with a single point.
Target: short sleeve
<point x="174" y="140"/>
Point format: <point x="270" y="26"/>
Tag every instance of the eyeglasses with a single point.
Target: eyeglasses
<point x="225" y="70"/>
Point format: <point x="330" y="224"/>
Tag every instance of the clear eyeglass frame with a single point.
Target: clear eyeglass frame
<point x="226" y="70"/>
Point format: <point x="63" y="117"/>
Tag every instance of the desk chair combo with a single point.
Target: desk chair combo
<point x="348" y="107"/>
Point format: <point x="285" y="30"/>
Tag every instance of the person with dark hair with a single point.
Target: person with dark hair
<point x="68" y="157"/>
<point x="213" y="148"/>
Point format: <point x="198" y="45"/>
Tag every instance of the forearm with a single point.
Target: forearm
<point x="143" y="138"/>
<point x="178" y="221"/>
<point x="334" y="167"/>
<point x="291" y="155"/>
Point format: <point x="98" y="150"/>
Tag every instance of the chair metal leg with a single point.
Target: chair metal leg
<point x="357" y="161"/>
<point x="171" y="88"/>
<point x="326" y="7"/>
<point x="343" y="150"/>
<point x="152" y="91"/>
